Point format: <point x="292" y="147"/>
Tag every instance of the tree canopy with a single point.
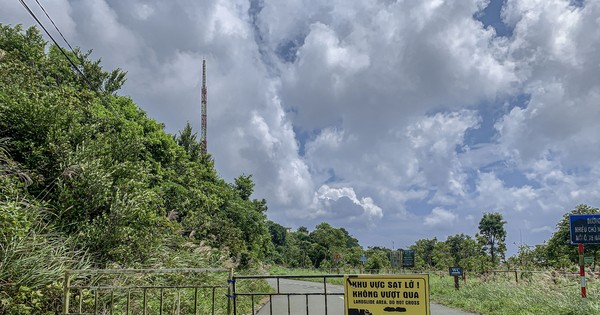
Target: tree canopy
<point x="492" y="235"/>
<point x="108" y="175"/>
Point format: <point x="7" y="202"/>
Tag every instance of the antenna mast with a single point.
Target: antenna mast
<point x="203" y="145"/>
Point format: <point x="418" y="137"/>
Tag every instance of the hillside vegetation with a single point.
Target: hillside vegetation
<point x="88" y="180"/>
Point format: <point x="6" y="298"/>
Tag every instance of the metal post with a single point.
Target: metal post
<point x="66" y="285"/>
<point x="196" y="300"/>
<point x="146" y="301"/>
<point x="230" y="294"/>
<point x="582" y="275"/>
<point x="161" y="301"/>
<point x="213" y="301"/>
<point x="325" y="291"/>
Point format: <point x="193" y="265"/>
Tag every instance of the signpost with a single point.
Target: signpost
<point x="386" y="294"/>
<point x="585" y="229"/>
<point x="363" y="260"/>
<point x="456" y="272"/>
<point x="408" y="258"/>
<point x="395" y="258"/>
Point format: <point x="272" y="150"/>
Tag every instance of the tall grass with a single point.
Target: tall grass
<point x="535" y="294"/>
<point x="32" y="262"/>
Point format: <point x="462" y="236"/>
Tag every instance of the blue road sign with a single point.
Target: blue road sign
<point x="585" y="228"/>
<point x="363" y="258"/>
<point x="456" y="271"/>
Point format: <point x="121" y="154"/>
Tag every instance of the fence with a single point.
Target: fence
<point x="275" y="281"/>
<point x="145" y="291"/>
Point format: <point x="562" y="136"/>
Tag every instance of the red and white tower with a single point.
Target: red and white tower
<point x="203" y="148"/>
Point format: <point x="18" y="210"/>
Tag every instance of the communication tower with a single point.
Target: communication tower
<point x="203" y="145"/>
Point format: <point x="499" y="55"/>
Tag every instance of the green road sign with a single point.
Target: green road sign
<point x="408" y="258"/>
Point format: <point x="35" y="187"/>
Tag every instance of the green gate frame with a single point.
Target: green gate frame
<point x="90" y="281"/>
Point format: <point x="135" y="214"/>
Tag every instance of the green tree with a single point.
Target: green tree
<point x="560" y="252"/>
<point x="461" y="248"/>
<point x="377" y="258"/>
<point x="187" y="140"/>
<point x="244" y="186"/>
<point x="492" y="235"/>
<point x="424" y="252"/>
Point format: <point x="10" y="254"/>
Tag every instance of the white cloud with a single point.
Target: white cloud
<point x="326" y="196"/>
<point x="493" y="195"/>
<point x="343" y="108"/>
<point x="440" y="218"/>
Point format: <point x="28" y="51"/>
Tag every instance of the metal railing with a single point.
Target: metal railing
<point x="143" y="291"/>
<point x="278" y="292"/>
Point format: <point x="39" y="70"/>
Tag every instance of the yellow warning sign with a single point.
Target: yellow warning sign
<point x="386" y="294"/>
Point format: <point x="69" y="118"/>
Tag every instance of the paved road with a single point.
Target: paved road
<point x="316" y="303"/>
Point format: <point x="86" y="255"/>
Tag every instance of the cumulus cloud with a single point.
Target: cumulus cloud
<point x="440" y="218"/>
<point x="337" y="200"/>
<point x="370" y="113"/>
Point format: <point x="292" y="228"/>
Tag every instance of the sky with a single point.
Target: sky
<point x="398" y="120"/>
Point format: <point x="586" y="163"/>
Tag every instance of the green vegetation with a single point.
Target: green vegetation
<point x="87" y="180"/>
<point x="492" y="235"/>
<point x="535" y="294"/>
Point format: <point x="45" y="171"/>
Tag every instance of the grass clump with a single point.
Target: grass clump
<point x="540" y="294"/>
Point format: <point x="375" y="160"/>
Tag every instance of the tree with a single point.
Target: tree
<point x="424" y="252"/>
<point x="244" y="186"/>
<point x="303" y="229"/>
<point x="278" y="233"/>
<point x="492" y="235"/>
<point x="378" y="258"/>
<point x="559" y="249"/>
<point x="187" y="140"/>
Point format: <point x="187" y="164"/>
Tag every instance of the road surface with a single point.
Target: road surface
<point x="316" y="303"/>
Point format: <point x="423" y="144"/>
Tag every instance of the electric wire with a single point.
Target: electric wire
<point x="64" y="53"/>
<point x="61" y="34"/>
<point x="56" y="27"/>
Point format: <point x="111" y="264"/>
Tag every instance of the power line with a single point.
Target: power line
<point x="56" y="43"/>
<point x="56" y="27"/>
<point x="85" y="78"/>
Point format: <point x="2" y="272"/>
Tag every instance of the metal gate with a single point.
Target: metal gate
<point x="285" y="296"/>
<point x="146" y="291"/>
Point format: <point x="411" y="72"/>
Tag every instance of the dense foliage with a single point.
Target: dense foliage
<point x="87" y="179"/>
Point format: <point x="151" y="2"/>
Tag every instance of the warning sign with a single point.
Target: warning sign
<point x="386" y="294"/>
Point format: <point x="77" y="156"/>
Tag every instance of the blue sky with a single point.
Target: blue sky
<point x="398" y="120"/>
